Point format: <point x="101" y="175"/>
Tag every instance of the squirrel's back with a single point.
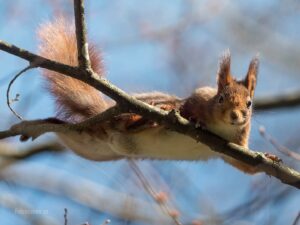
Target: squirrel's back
<point x="75" y="100"/>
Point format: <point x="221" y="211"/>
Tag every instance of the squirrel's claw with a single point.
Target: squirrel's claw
<point x="200" y="124"/>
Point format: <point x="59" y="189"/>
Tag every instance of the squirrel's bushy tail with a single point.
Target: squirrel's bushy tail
<point x="75" y="100"/>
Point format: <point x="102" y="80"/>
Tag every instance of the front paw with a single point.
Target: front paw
<point x="273" y="157"/>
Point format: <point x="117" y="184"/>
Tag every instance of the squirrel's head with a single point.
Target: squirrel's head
<point x="233" y="102"/>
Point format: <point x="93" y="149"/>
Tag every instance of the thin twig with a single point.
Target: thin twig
<point x="8" y="100"/>
<point x="297" y="219"/>
<point x="81" y="33"/>
<point x="278" y="146"/>
<point x="66" y="216"/>
<point x="147" y="186"/>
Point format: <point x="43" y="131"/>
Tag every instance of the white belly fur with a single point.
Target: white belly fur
<point x="89" y="147"/>
<point x="156" y="143"/>
<point x="159" y="143"/>
<point x="226" y="131"/>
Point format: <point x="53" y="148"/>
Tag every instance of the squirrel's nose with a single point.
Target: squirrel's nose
<point x="244" y="113"/>
<point x="234" y="115"/>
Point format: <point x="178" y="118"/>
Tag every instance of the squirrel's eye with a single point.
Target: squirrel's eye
<point x="249" y="103"/>
<point x="221" y="99"/>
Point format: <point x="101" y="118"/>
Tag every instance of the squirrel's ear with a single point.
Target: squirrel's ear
<point x="223" y="75"/>
<point x="250" y="80"/>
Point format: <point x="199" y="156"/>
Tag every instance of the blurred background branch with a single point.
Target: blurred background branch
<point x="278" y="101"/>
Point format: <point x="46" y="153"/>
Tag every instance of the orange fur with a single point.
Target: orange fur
<point x="75" y="99"/>
<point x="227" y="105"/>
<point x="224" y="111"/>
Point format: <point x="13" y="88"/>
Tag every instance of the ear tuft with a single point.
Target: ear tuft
<point x="225" y="56"/>
<point x="223" y="74"/>
<point x="254" y="64"/>
<point x="250" y="80"/>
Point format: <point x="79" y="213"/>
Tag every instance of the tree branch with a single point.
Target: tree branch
<point x="21" y="208"/>
<point x="277" y="145"/>
<point x="10" y="151"/>
<point x="39" y="60"/>
<point x="280" y="101"/>
<point x="130" y="104"/>
<point x="35" y="128"/>
<point x="82" y="45"/>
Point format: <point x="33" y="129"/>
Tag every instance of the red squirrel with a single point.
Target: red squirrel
<point x="225" y="110"/>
